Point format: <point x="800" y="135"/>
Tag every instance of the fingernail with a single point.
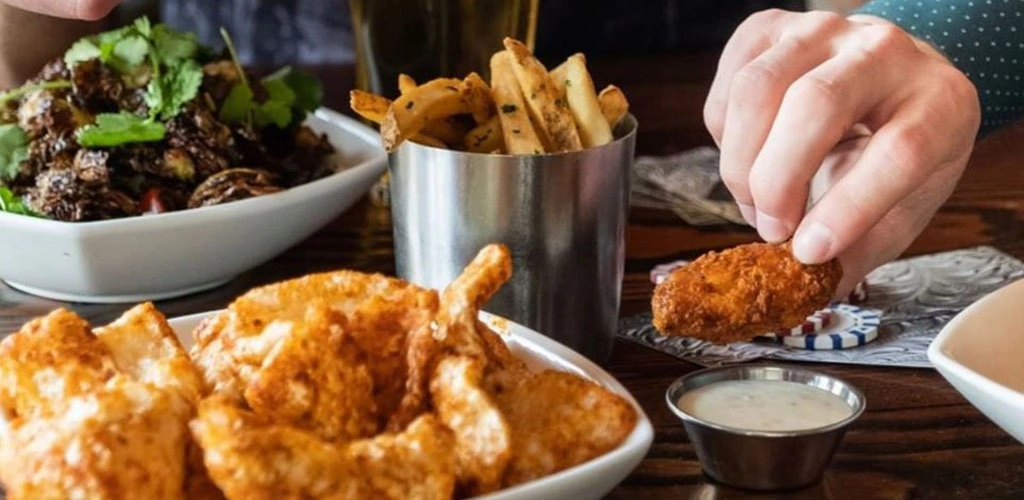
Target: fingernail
<point x="747" y="212"/>
<point x="812" y="243"/>
<point x="771" y="229"/>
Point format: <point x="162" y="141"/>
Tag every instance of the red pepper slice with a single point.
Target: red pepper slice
<point x="151" y="202"/>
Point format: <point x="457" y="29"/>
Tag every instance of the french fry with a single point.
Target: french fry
<point x="485" y="137"/>
<point x="370" y="106"/>
<point x="478" y="95"/>
<point x="405" y="83"/>
<point x="518" y="132"/>
<point x="558" y="74"/>
<point x="411" y="112"/>
<point x="550" y="113"/>
<point x="446" y="130"/>
<point x="614" y="105"/>
<point x="426" y="140"/>
<point x="586" y="110"/>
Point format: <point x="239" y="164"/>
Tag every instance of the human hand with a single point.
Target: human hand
<point x="87" y="10"/>
<point x="846" y="134"/>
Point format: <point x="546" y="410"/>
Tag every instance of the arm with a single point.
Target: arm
<point x="983" y="39"/>
<point x="30" y="39"/>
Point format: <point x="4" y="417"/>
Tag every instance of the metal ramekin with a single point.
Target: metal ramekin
<point x="764" y="460"/>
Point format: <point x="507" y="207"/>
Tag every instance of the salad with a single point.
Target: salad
<point x="144" y="119"/>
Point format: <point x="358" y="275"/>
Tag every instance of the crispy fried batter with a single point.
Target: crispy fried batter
<point x="124" y="440"/>
<point x="99" y="416"/>
<point x="252" y="459"/>
<point x="737" y="294"/>
<point x="144" y="346"/>
<point x="315" y="379"/>
<point x="559" y="420"/>
<point x="378" y="312"/>
<point x="454" y="359"/>
<point x="51" y="360"/>
<point x="482" y="436"/>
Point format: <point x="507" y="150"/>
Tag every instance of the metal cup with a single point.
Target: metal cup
<point x="764" y="460"/>
<point x="562" y="216"/>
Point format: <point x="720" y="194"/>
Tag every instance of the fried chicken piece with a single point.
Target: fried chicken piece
<point x="482" y="436"/>
<point x="51" y="360"/>
<point x="252" y="459"/>
<point x="559" y="420"/>
<point x="145" y="347"/>
<point x="458" y="330"/>
<point x="450" y="365"/>
<point x="378" y="312"/>
<point x="95" y="415"/>
<point x="737" y="294"/>
<point x="122" y="441"/>
<point x="315" y="379"/>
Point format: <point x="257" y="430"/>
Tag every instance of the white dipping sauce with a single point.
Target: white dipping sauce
<point x="765" y="405"/>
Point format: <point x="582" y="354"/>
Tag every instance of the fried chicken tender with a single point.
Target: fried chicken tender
<point x="253" y="459"/>
<point x="95" y="415"/>
<point x="377" y="315"/>
<point x="737" y="294"/>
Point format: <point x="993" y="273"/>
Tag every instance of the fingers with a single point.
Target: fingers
<point x="818" y="110"/>
<point x="755" y="94"/>
<point x="751" y="38"/>
<point x="89" y="10"/>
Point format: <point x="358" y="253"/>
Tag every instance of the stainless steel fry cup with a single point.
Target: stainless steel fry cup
<point x="761" y="460"/>
<point x="562" y="216"/>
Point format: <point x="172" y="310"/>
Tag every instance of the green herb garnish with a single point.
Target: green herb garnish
<point x="114" y="129"/>
<point x="13" y="150"/>
<point x="167" y="55"/>
<point x="22" y="91"/>
<point x="10" y="202"/>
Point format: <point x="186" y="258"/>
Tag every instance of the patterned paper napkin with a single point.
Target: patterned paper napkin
<point x="918" y="296"/>
<point x="686" y="183"/>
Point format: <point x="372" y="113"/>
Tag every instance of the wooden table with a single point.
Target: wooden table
<point x="919" y="439"/>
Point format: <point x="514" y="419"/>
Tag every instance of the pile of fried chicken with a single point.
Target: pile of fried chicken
<point x="333" y="386"/>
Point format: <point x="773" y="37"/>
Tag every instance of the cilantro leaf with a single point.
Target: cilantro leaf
<point x="10" y="202"/>
<point x="183" y="80"/>
<point x="13" y="150"/>
<point x="143" y="26"/>
<point x="169" y="91"/>
<point x="127" y="53"/>
<point x="273" y="112"/>
<point x="173" y="45"/>
<point x="237" y="104"/>
<point x="115" y="129"/>
<point x="279" y="91"/>
<point x="309" y="94"/>
<point x="82" y="50"/>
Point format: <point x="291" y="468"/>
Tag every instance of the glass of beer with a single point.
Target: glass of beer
<point x="427" y="39"/>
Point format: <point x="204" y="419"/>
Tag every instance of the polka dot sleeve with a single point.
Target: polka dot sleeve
<point x="984" y="38"/>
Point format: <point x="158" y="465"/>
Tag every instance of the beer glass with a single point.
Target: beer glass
<point x="427" y="39"/>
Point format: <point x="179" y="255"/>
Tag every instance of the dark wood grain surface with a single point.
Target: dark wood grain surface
<point x="918" y="440"/>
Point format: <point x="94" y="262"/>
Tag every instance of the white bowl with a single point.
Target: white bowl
<point x="161" y="256"/>
<point x="981" y="353"/>
<point x="587" y="481"/>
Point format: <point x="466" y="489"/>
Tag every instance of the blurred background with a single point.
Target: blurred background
<point x="320" y="31"/>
